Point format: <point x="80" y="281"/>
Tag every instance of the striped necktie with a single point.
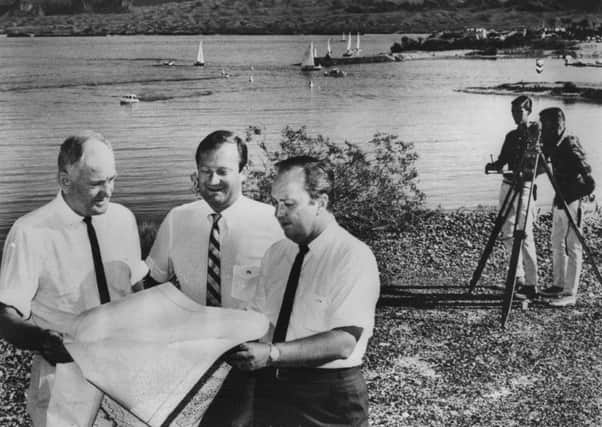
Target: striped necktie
<point x="214" y="297"/>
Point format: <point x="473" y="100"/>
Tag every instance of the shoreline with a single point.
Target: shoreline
<point x="564" y="90"/>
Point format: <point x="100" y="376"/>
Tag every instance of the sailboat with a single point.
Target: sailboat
<point x="308" y="64"/>
<point x="200" y="57"/>
<point x="348" y="51"/>
<point x="328" y="49"/>
<point x="343" y="37"/>
<point x="357" y="45"/>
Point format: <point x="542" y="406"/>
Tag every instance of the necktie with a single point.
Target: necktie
<point x="289" y="297"/>
<point x="213" y="265"/>
<point x="101" y="280"/>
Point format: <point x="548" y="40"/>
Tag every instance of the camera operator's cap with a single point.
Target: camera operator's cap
<point x="523" y="101"/>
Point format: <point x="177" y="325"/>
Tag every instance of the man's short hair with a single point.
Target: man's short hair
<point x="553" y="114"/>
<point x="523" y="101"/>
<point x="319" y="177"/>
<point x="71" y="150"/>
<point x="216" y="139"/>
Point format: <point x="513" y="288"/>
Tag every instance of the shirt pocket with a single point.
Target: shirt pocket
<point x="244" y="281"/>
<point x="314" y="313"/>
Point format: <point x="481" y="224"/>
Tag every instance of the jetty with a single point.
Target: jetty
<point x="330" y="61"/>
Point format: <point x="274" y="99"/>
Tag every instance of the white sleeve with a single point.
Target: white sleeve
<point x="353" y="301"/>
<point x="158" y="259"/>
<point x="138" y="267"/>
<point x="19" y="270"/>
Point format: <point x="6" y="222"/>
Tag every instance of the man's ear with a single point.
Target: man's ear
<point x="65" y="182"/>
<point x="244" y="173"/>
<point x="194" y="180"/>
<point x="323" y="201"/>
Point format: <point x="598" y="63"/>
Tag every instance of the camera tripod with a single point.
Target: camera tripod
<point x="519" y="184"/>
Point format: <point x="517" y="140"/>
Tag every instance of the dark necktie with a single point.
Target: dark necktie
<point x="289" y="297"/>
<point x="101" y="280"/>
<point x="214" y="297"/>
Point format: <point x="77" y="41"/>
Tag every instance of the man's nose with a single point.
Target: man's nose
<point x="213" y="179"/>
<point x="108" y="188"/>
<point x="279" y="210"/>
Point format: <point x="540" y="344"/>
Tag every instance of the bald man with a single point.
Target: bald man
<point x="72" y="254"/>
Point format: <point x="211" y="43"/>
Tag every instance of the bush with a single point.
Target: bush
<point x="375" y="188"/>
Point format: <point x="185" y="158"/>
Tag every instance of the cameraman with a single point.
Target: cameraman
<point x="519" y="152"/>
<point x="575" y="183"/>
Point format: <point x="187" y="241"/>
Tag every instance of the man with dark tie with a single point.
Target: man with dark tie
<point x="72" y="254"/>
<point x="319" y="289"/>
<point x="212" y="249"/>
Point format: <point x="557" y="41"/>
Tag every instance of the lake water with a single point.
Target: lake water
<point x="51" y="87"/>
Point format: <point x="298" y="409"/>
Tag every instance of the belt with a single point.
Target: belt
<point x="307" y="374"/>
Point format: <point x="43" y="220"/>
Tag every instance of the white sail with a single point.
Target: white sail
<point x="200" y="57"/>
<point x="308" y="57"/>
<point x="328" y="50"/>
<point x="349" y="43"/>
<point x="315" y="52"/>
<point x="357" y="42"/>
<point x="343" y="37"/>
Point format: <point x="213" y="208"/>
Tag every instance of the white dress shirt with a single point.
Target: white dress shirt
<point x="247" y="229"/>
<point x="47" y="267"/>
<point x="47" y="274"/>
<point x="338" y="286"/>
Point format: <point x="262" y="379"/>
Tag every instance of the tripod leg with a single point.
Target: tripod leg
<point x="520" y="234"/>
<point x="497" y="227"/>
<point x="511" y="279"/>
<point x="565" y="207"/>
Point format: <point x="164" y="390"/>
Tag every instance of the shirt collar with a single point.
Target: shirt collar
<point x="67" y="215"/>
<point x="324" y="237"/>
<point x="230" y="212"/>
<point x="561" y="138"/>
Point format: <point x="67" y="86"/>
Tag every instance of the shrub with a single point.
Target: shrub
<point x="375" y="188"/>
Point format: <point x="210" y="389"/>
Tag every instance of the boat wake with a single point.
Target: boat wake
<point x="163" y="97"/>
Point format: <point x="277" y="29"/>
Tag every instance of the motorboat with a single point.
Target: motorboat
<point x="128" y="99"/>
<point x="335" y="72"/>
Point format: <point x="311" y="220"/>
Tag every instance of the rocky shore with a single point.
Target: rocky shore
<point x="438" y="356"/>
<point x="567" y="91"/>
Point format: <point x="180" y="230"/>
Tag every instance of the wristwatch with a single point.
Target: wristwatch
<point x="274" y="354"/>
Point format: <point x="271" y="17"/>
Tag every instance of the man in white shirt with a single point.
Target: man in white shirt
<point x="213" y="248"/>
<point x="68" y="256"/>
<point x="319" y="290"/>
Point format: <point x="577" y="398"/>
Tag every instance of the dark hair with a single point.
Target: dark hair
<point x="554" y="114"/>
<point x="523" y="101"/>
<point x="319" y="177"/>
<point x="216" y="139"/>
<point x="72" y="148"/>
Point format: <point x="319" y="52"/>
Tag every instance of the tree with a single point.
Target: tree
<point x="375" y="187"/>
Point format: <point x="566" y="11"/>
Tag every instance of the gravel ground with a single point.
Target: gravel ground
<point x="439" y="357"/>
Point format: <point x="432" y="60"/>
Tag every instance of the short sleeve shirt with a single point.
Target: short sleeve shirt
<point x="247" y="229"/>
<point x="338" y="286"/>
<point x="47" y="270"/>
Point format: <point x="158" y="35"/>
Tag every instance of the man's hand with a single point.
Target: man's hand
<point x="249" y="356"/>
<point x="53" y="349"/>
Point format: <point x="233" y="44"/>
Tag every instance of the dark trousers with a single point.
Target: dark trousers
<point x="233" y="404"/>
<point x="301" y="397"/>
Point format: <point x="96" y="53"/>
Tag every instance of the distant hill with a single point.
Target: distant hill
<point x="292" y="16"/>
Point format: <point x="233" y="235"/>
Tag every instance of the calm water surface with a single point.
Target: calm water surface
<point x="51" y="87"/>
